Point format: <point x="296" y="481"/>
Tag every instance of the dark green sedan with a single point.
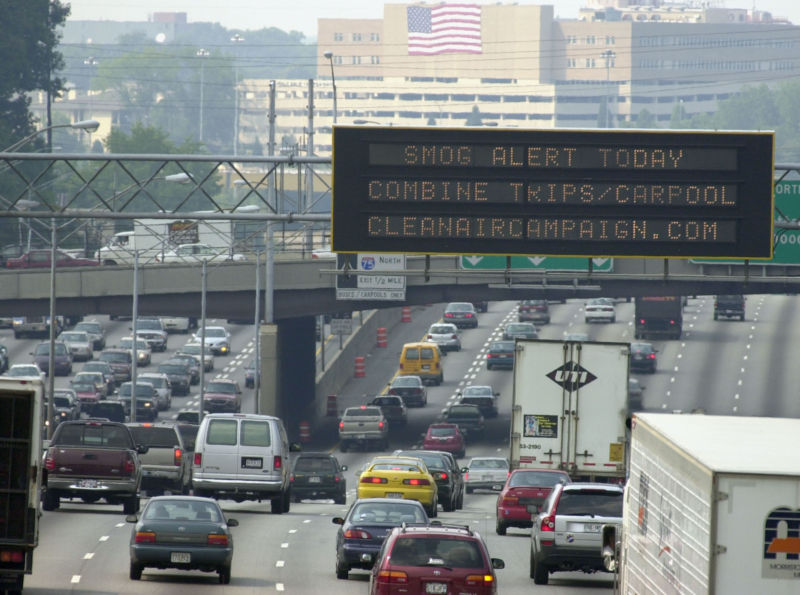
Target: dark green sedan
<point x="182" y="532"/>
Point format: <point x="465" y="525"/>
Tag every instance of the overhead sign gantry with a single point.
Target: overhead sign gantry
<point x="556" y="192"/>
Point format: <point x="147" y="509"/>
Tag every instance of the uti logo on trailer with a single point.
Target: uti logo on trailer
<point x="781" y="544"/>
<point x="367" y="263"/>
<point x="571" y="376"/>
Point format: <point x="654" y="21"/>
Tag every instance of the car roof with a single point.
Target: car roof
<point x="586" y="486"/>
<point x="225" y="380"/>
<point x="437" y="528"/>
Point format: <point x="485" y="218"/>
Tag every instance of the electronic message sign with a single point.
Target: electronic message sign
<point x="554" y="192"/>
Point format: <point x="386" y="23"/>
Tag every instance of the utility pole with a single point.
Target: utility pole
<point x="309" y="195"/>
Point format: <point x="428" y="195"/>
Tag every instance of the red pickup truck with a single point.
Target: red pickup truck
<point x="38" y="259"/>
<point x="92" y="459"/>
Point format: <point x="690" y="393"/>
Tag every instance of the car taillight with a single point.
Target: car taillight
<point x="476" y="580"/>
<point x="380" y="424"/>
<point x="198" y="459"/>
<point x="277" y="462"/>
<point x="341" y="425"/>
<point x="548" y="524"/>
<point x="291" y="478"/>
<point x="357" y="534"/>
<point x="49" y="462"/>
<point x="509" y="501"/>
<point x="217" y="539"/>
<point x="393" y="576"/>
<point x="430" y="336"/>
<point x="12" y="556"/>
<point x="441" y="476"/>
<point x="454" y="336"/>
<point x="370" y="479"/>
<point x="145" y="537"/>
<point x="416" y="482"/>
<point x="129" y="466"/>
<point x="652" y="356"/>
<point x="448" y="315"/>
<point x="468" y="315"/>
<point x="177" y="456"/>
<point x="490" y="355"/>
<point x="466" y="476"/>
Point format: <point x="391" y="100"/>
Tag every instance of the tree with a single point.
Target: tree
<point x="28" y="40"/>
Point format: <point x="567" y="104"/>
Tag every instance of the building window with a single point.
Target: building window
<point x="356" y="36"/>
<point x="338" y="36"/>
<point x="375" y="59"/>
<point x="356" y="59"/>
<point x="374" y="36"/>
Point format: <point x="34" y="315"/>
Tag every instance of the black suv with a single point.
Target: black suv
<point x="729" y="306"/>
<point x="468" y="418"/>
<point x="318" y="475"/>
<point x="448" y="476"/>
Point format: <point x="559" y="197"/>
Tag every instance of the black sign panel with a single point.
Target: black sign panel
<point x="554" y="192"/>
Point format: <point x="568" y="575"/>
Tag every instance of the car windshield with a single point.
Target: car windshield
<point x="44" y="349"/>
<point x="315" y="465"/>
<point x="437" y="551"/>
<point x="61" y="402"/>
<point x="590" y="503"/>
<point x="442" y="432"/>
<point x="101" y="367"/>
<point x="182" y="510"/>
<point x="458" y="307"/>
<point x="74" y="337"/>
<point x="537" y="478"/>
<point x="155" y="436"/>
<point x="502" y="346"/>
<point x="172" y="369"/>
<point x="213" y="332"/>
<point x="115" y="357"/>
<point x="84" y="387"/>
<point x="470" y="411"/>
<point x="488" y="464"/>
<point x="89" y="327"/>
<point x="195" y="349"/>
<point x="128" y="344"/>
<point x="156" y="381"/>
<point x="148" y="325"/>
<point x="142" y="390"/>
<point x="442" y="329"/>
<point x="472" y="391"/>
<point x="407" y="381"/>
<point x="386" y="512"/>
<point x="227" y="388"/>
<point x="24" y="371"/>
<point x="433" y="461"/>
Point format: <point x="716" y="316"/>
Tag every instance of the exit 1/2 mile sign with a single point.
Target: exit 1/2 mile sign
<point x="786" y="249"/>
<point x="536" y="263"/>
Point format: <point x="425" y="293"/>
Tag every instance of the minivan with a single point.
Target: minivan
<point x="423" y="360"/>
<point x="243" y="456"/>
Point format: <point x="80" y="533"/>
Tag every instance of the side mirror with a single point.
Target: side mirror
<point x="295" y="447"/>
<point x="608" y="548"/>
<point x="232" y="522"/>
<point x="337" y="520"/>
<point x="344" y="467"/>
<point x="498" y="564"/>
<point x="131" y="518"/>
<point x="142" y="449"/>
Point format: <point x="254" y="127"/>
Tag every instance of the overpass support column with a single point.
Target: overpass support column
<point x="269" y="366"/>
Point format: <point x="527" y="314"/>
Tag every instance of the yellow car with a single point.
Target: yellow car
<point x="399" y="477"/>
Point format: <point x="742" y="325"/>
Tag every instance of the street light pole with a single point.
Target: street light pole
<point x="329" y="56"/>
<point x="609" y="56"/>
<point x="257" y="356"/>
<point x="51" y="357"/>
<point x="236" y="39"/>
<point x="87" y="125"/>
<point x="202" y="53"/>
<point x="204" y="273"/>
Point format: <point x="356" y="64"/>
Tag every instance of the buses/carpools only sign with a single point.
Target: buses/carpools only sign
<point x="786" y="241"/>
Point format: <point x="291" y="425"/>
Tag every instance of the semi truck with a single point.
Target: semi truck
<point x="569" y="407"/>
<point x="21" y="426"/>
<point x="155" y="240"/>
<point x="711" y="506"/>
<point x="658" y="316"/>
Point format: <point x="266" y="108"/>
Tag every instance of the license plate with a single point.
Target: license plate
<point x="252" y="463"/>
<point x="436" y="587"/>
<point x="314" y="479"/>
<point x="497" y="486"/>
<point x="592" y="528"/>
<point x="394" y="494"/>
<point x="361" y="437"/>
<point x="426" y="367"/>
<point x="87" y="483"/>
<point x="503" y="356"/>
<point x="180" y="557"/>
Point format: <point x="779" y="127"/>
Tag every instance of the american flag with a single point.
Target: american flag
<point x="444" y="29"/>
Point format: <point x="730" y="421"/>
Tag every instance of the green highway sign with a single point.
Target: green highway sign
<point x="536" y="263"/>
<point x="786" y="241"/>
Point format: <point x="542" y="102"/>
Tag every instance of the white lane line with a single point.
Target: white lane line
<point x="279" y="564"/>
<point x="279" y="586"/>
<point x="104" y="538"/>
<point x="120" y="524"/>
<point x="88" y="556"/>
<point x="76" y="578"/>
<point x="292" y="531"/>
<point x="284" y="545"/>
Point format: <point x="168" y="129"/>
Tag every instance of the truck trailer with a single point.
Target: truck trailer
<point x="20" y="478"/>
<point x="658" y="317"/>
<point x="569" y="407"/>
<point x="712" y="506"/>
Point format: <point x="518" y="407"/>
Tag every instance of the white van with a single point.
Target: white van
<point x="243" y="456"/>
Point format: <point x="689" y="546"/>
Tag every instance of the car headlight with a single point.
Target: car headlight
<point x="223" y="348"/>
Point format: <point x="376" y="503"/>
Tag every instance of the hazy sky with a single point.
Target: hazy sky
<point x="301" y="15"/>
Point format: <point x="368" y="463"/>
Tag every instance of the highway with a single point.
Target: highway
<point x="721" y="367"/>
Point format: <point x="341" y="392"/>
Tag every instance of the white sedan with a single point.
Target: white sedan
<point x="600" y="310"/>
<point x="196" y="253"/>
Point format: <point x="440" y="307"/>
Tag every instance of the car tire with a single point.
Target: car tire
<point x="613" y="319"/>
<point x="340" y="499"/>
<point x="224" y="575"/>
<point x="449" y="505"/>
<point x="343" y="446"/>
<point x="433" y="511"/>
<point x="342" y="571"/>
<point x="135" y="571"/>
<point x="287" y="500"/>
<point x="460" y="501"/>
<point x="500" y="527"/>
<point x="540" y="573"/>
<point x="295" y="498"/>
<point x="276" y="505"/>
<point x="51" y="500"/>
<point x="130" y="505"/>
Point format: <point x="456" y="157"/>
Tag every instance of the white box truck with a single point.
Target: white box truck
<point x="569" y="407"/>
<point x="156" y="240"/>
<point x="712" y="506"/>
